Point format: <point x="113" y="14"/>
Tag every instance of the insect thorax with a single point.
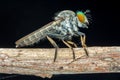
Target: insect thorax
<point x="68" y="26"/>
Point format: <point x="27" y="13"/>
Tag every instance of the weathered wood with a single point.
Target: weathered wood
<point x="39" y="62"/>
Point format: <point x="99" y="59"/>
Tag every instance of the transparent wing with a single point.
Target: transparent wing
<point x="38" y="35"/>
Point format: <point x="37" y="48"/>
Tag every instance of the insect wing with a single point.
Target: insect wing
<point x="37" y="35"/>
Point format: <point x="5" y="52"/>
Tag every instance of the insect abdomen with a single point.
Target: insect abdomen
<point x="30" y="39"/>
<point x="37" y="35"/>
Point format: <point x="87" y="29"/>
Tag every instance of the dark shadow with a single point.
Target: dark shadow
<point x="98" y="76"/>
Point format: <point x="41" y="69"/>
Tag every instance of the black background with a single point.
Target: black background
<point x="18" y="18"/>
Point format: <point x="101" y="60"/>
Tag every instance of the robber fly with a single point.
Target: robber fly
<point x="66" y="24"/>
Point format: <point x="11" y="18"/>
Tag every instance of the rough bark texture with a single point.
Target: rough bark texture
<point x="39" y="62"/>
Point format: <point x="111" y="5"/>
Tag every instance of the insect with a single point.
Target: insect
<point x="66" y="24"/>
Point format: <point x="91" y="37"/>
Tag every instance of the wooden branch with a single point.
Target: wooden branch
<point x="39" y="62"/>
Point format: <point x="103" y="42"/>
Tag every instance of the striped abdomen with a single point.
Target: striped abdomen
<point x="30" y="39"/>
<point x="37" y="35"/>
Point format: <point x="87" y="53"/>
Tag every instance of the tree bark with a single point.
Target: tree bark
<point x="40" y="62"/>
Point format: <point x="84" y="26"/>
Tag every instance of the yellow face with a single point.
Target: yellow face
<point x="81" y="16"/>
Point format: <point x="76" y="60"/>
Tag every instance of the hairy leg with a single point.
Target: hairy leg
<point x="55" y="45"/>
<point x="72" y="43"/>
<point x="83" y="41"/>
<point x="70" y="48"/>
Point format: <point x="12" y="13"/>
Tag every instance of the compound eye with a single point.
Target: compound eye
<point x="81" y="16"/>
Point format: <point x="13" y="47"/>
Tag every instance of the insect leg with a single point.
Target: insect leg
<point x="62" y="37"/>
<point x="83" y="40"/>
<point x="55" y="45"/>
<point x="69" y="47"/>
<point x="70" y="42"/>
<point x="83" y="44"/>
